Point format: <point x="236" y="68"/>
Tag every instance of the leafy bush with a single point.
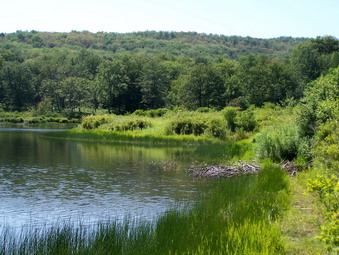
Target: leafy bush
<point x="327" y="187"/>
<point x="217" y="128"/>
<point x="129" y="125"/>
<point x="326" y="145"/>
<point x="283" y="143"/>
<point x="242" y="120"/>
<point x="230" y="114"/>
<point x="93" y="122"/>
<point x="245" y="120"/>
<point x="187" y="126"/>
<point x="321" y="102"/>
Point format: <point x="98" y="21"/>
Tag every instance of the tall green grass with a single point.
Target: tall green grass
<point x="232" y="217"/>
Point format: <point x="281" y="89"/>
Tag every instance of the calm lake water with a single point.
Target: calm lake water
<point x="46" y="180"/>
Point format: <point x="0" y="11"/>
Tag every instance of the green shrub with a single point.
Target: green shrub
<point x="326" y="145"/>
<point x="187" y="126"/>
<point x="245" y="120"/>
<point x="93" y="122"/>
<point x="130" y="125"/>
<point x="230" y="114"/>
<point x="327" y="187"/>
<point x="217" y="128"/>
<point x="282" y="143"/>
<point x="320" y="102"/>
<point x="139" y="112"/>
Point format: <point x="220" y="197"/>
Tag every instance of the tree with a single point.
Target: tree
<point x="203" y="87"/>
<point x="312" y="58"/>
<point x="75" y="92"/>
<point x="320" y="103"/>
<point x="155" y="84"/>
<point x="262" y="79"/>
<point x="227" y="70"/>
<point x="112" y="81"/>
<point x="18" y="92"/>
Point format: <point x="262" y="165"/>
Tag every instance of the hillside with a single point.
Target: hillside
<point x="189" y="44"/>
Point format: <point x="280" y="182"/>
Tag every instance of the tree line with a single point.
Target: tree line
<point x="65" y="79"/>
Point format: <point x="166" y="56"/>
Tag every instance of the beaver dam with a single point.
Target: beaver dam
<point x="240" y="167"/>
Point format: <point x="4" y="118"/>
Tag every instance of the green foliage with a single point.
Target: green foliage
<point x="152" y="113"/>
<point x="321" y="102"/>
<point x="282" y="143"/>
<point x="129" y="125"/>
<point x="125" y="72"/>
<point x="327" y="187"/>
<point x="217" y="128"/>
<point x="230" y="114"/>
<point x="93" y="122"/>
<point x="245" y="120"/>
<point x="313" y="58"/>
<point x="326" y="145"/>
<point x="203" y="87"/>
<point x="204" y="109"/>
<point x="187" y="126"/>
<point x="241" y="120"/>
<point x="262" y="79"/>
<point x="45" y="107"/>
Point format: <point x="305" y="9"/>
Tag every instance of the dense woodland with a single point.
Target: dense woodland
<point x="62" y="72"/>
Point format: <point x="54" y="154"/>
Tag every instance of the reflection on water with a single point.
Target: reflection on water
<point x="43" y="180"/>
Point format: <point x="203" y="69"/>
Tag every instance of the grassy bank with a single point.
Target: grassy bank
<point x="31" y="117"/>
<point x="237" y="216"/>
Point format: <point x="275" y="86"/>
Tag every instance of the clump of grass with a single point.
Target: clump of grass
<point x="128" y="124"/>
<point x="282" y="143"/>
<point x="93" y="122"/>
<point x="128" y="137"/>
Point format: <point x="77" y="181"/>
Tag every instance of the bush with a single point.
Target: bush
<point x="326" y="145"/>
<point x="129" y="125"/>
<point x="187" y="126"/>
<point x="320" y="102"/>
<point x="230" y="114"/>
<point x="217" y="128"/>
<point x="283" y="143"/>
<point x="327" y="187"/>
<point x="93" y="122"/>
<point x="245" y="120"/>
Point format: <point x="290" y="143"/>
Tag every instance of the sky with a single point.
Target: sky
<point x="255" y="18"/>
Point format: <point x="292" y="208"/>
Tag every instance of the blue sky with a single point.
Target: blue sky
<point x="256" y="18"/>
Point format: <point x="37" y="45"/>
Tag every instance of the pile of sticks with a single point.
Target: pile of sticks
<point x="240" y="167"/>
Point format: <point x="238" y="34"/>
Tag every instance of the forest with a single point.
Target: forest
<point x="64" y="72"/>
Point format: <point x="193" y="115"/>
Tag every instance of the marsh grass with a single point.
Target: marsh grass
<point x="128" y="137"/>
<point x="235" y="216"/>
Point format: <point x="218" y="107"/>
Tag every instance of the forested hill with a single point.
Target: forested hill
<point x="190" y="44"/>
<point x="61" y="72"/>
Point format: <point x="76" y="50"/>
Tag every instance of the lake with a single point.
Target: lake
<point x="44" y="180"/>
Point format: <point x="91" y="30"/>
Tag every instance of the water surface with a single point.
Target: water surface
<point x="45" y="180"/>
